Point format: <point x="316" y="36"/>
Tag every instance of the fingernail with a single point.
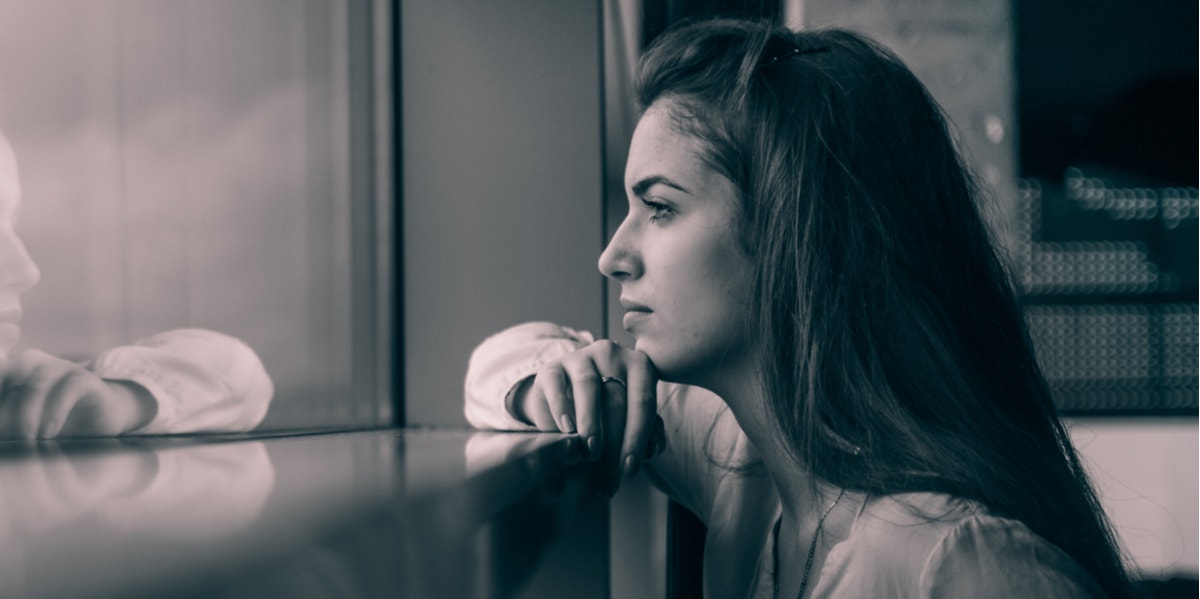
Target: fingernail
<point x="630" y="467"/>
<point x="593" y="447"/>
<point x="568" y="423"/>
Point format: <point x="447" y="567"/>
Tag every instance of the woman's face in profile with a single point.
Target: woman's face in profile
<point x="685" y="281"/>
<point x="17" y="271"/>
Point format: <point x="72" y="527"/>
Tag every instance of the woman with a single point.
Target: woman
<point x="813" y="291"/>
<point x="179" y="381"/>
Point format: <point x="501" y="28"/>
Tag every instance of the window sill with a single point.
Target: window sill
<point x="361" y="513"/>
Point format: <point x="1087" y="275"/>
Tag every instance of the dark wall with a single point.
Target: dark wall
<point x="1108" y="81"/>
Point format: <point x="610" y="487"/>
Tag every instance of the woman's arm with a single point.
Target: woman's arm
<point x="199" y="381"/>
<point x="180" y="381"/>
<point x="703" y="443"/>
<point x="507" y="361"/>
<point x="43" y="397"/>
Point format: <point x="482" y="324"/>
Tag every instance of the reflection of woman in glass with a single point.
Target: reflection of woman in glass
<point x="850" y="400"/>
<point x="185" y="380"/>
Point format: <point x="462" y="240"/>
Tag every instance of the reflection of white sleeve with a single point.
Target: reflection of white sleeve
<point x="198" y="493"/>
<point x="507" y="358"/>
<point x="203" y="381"/>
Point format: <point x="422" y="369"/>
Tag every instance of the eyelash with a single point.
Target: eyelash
<point x="661" y="211"/>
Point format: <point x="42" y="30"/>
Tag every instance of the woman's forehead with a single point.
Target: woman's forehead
<point x="659" y="148"/>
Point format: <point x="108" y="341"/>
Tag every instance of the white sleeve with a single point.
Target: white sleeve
<point x="201" y="380"/>
<point x="505" y="359"/>
<point x="991" y="557"/>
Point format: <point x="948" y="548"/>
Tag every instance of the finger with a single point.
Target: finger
<point x="658" y="441"/>
<point x="16" y="372"/>
<point x="8" y="414"/>
<point x="614" y="409"/>
<point x="585" y="390"/>
<point x="640" y="412"/>
<point x="29" y="400"/>
<point x="552" y="382"/>
<point x="60" y="402"/>
<point x="536" y="410"/>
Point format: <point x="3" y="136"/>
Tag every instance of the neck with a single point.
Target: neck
<point x="799" y="497"/>
<point x="804" y="501"/>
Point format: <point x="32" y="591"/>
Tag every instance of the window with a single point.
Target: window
<point x="221" y="164"/>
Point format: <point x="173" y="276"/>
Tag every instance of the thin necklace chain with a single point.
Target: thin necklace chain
<point x="812" y="550"/>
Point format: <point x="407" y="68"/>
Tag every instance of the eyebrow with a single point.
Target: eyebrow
<point x="642" y="186"/>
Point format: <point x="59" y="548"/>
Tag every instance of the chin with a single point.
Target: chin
<point x="700" y="369"/>
<point x="662" y="364"/>
<point x="670" y="368"/>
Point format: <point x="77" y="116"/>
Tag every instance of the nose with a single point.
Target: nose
<point x="18" y="272"/>
<point x="620" y="260"/>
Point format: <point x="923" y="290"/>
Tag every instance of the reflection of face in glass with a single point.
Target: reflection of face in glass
<point x="685" y="281"/>
<point x="17" y="271"/>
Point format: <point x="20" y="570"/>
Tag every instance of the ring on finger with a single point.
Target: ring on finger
<point x="612" y="379"/>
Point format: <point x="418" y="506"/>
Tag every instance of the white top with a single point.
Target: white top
<point x="202" y="381"/>
<point x="912" y="545"/>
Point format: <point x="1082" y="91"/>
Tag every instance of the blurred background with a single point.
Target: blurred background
<point x="363" y="200"/>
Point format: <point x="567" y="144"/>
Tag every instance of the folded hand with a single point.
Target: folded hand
<point x="45" y="397"/>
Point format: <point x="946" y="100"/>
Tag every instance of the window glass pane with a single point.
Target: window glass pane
<point x="189" y="163"/>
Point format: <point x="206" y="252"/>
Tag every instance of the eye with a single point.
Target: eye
<point x="659" y="211"/>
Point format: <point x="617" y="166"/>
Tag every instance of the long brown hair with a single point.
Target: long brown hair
<point x="897" y="358"/>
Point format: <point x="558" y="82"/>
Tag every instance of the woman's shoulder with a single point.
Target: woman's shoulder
<point x="899" y="532"/>
<point x="937" y="545"/>
<point x="921" y="515"/>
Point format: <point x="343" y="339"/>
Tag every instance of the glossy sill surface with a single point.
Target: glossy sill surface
<point x="356" y="514"/>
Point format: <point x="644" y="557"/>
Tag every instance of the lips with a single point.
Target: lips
<point x="632" y="306"/>
<point x="634" y="312"/>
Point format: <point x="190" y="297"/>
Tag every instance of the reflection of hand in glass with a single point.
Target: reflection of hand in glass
<point x="199" y="492"/>
<point x="524" y="490"/>
<point x="42" y="397"/>
<point x="181" y="494"/>
<point x="531" y="467"/>
<point x="185" y="380"/>
<point x="187" y="492"/>
<point x="43" y="492"/>
<point x="486" y="450"/>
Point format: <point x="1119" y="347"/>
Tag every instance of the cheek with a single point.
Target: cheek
<point x="711" y="292"/>
<point x="728" y="273"/>
<point x="729" y="296"/>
